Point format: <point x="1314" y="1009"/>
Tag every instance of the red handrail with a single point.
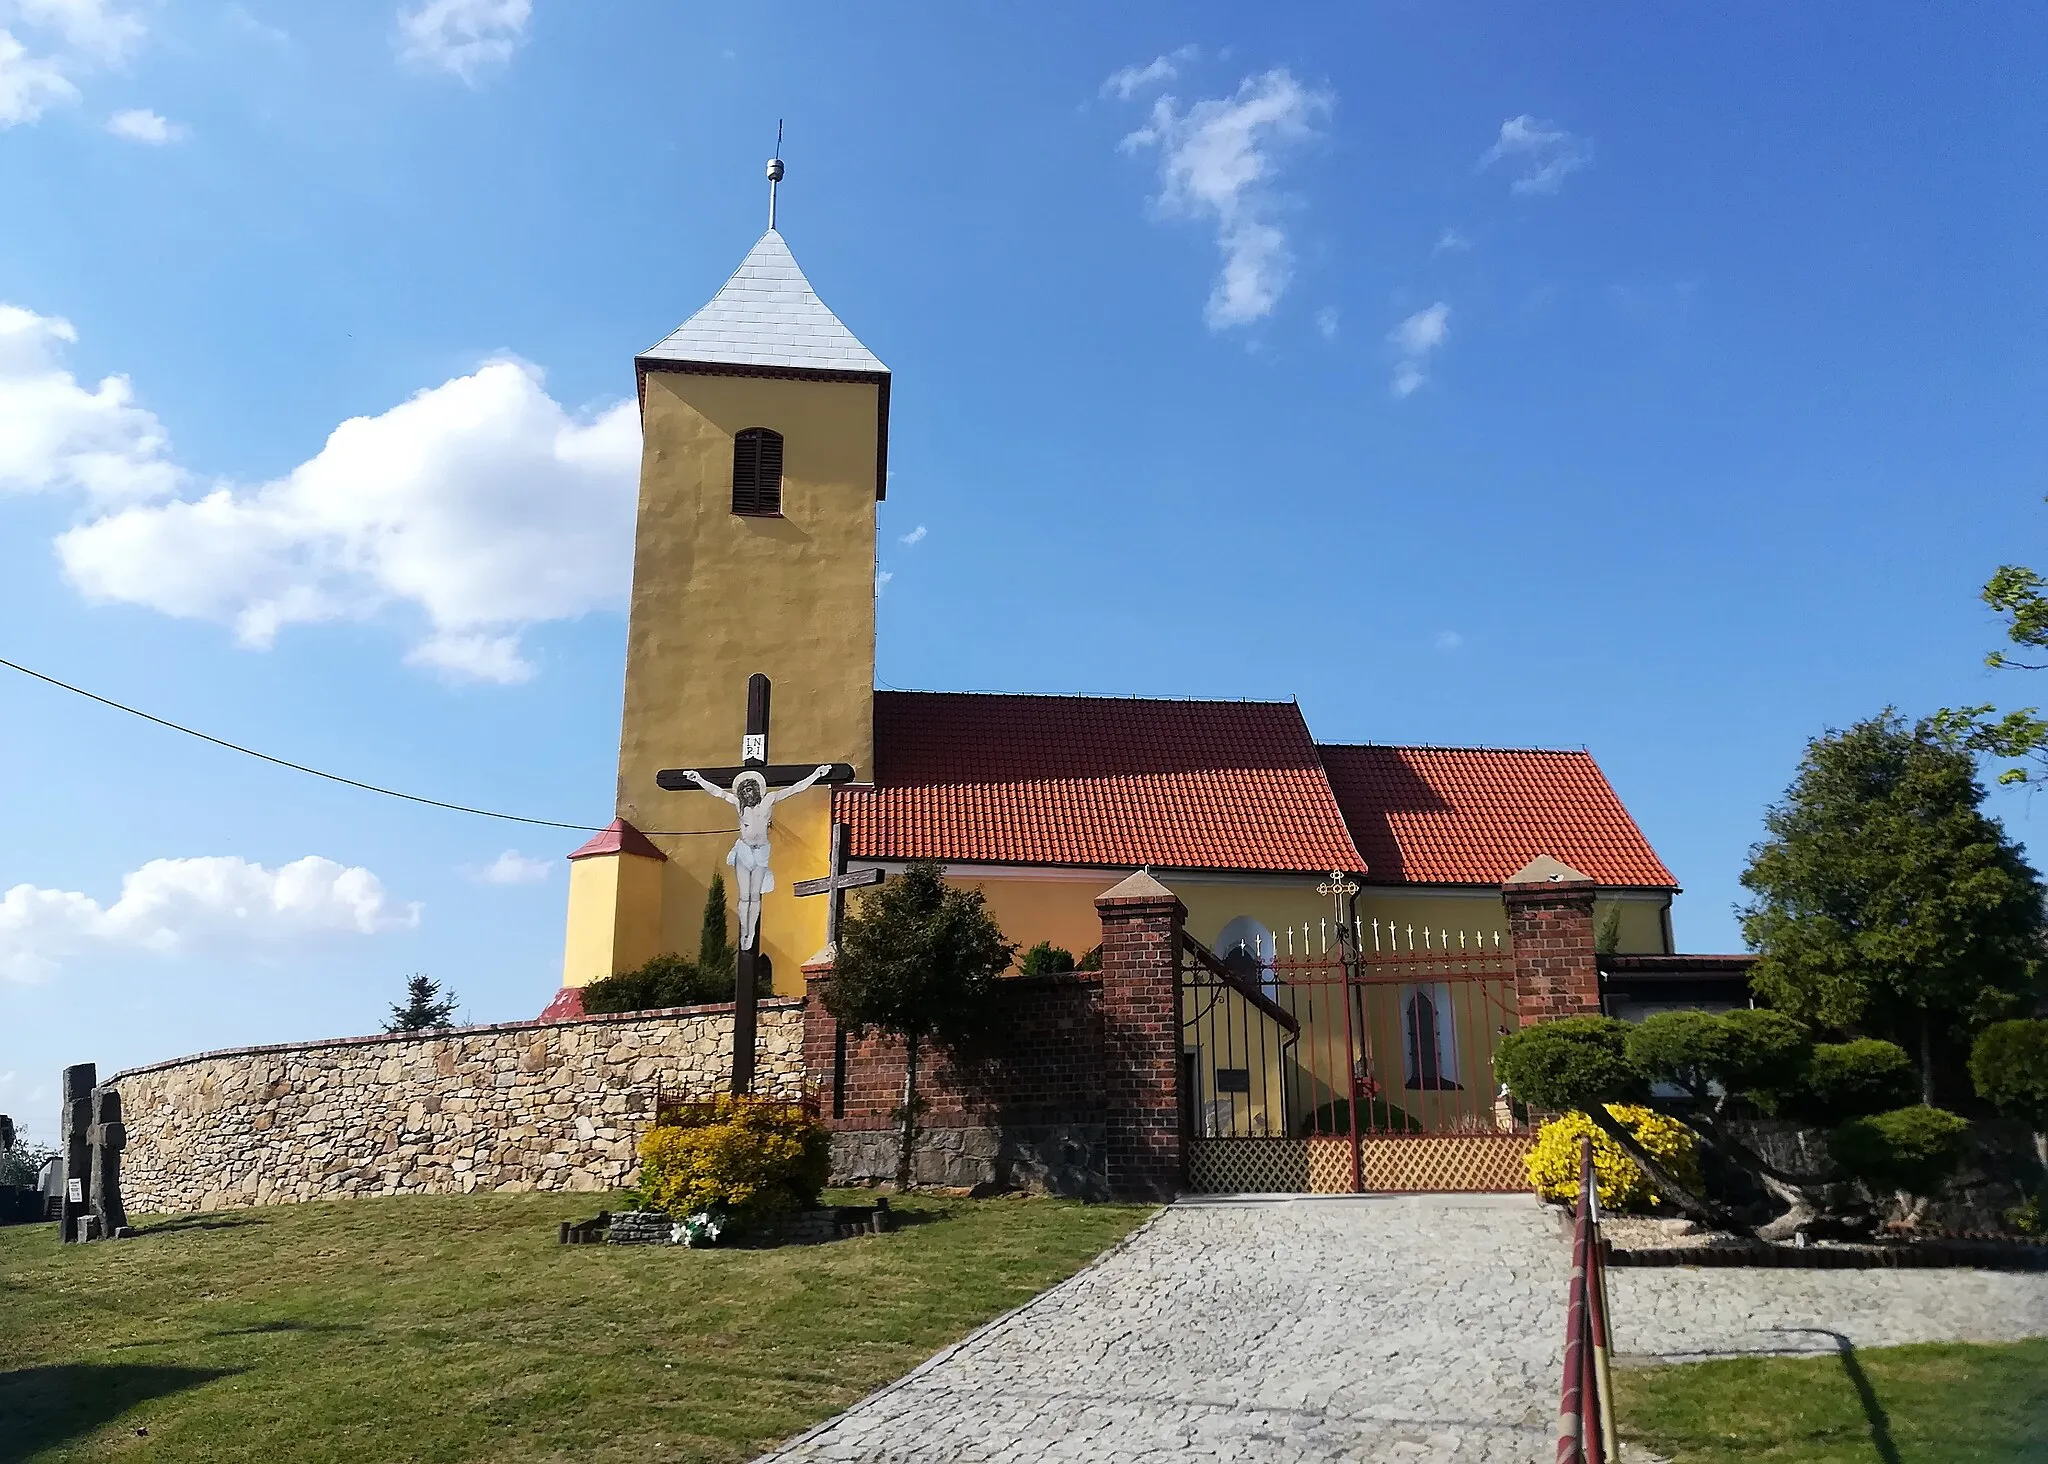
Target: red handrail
<point x="1585" y="1411"/>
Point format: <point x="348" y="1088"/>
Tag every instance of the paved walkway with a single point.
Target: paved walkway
<point x="1354" y="1328"/>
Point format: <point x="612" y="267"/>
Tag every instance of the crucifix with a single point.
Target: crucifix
<point x="835" y="885"/>
<point x="753" y="789"/>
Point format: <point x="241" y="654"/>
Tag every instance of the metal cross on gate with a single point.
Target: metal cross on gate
<point x="748" y="789"/>
<point x="836" y="884"/>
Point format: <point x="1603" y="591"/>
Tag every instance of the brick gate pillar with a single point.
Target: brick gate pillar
<point x="1141" y="945"/>
<point x="1550" y="924"/>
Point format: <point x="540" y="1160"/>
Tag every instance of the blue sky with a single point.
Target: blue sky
<point x="1660" y="383"/>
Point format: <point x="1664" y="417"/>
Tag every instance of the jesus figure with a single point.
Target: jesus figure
<point x="749" y="855"/>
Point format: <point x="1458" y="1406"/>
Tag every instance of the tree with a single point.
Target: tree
<point x="2020" y="597"/>
<point x="426" y="1009"/>
<point x="717" y="958"/>
<point x="918" y="959"/>
<point x="1886" y="901"/>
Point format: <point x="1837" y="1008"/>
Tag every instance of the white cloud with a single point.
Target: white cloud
<point x="1451" y="241"/>
<point x="1127" y="83"/>
<point x="514" y="868"/>
<point x="56" y="433"/>
<point x="1416" y="339"/>
<point x="29" y="85"/>
<point x="480" y="504"/>
<point x="915" y="536"/>
<point x="142" y="125"/>
<point x="1449" y="640"/>
<point x="462" y="37"/>
<point x="1326" y="322"/>
<point x="215" y="905"/>
<point x="1543" y="154"/>
<point x="1218" y="160"/>
<point x="882" y="578"/>
<point x="97" y="29"/>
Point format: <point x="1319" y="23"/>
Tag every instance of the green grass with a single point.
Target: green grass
<point x="1943" y="1403"/>
<point x="453" y="1328"/>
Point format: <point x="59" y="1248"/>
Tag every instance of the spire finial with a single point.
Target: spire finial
<point x="774" y="174"/>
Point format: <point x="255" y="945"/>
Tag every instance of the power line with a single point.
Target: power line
<point x="545" y="823"/>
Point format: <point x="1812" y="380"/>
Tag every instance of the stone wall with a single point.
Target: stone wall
<point x="515" y="1106"/>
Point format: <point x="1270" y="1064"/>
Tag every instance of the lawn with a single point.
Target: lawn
<point x="1943" y="1403"/>
<point x="451" y="1328"/>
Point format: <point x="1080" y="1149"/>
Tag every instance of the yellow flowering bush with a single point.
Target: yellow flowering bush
<point x="1554" y="1162"/>
<point x="753" y="1156"/>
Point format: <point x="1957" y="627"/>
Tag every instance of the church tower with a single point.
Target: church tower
<point x="765" y="438"/>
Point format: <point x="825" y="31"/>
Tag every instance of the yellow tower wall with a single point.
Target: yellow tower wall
<point x="718" y="596"/>
<point x="615" y="905"/>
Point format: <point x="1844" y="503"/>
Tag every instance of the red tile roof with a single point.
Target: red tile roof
<point x="1475" y="815"/>
<point x="1096" y="781"/>
<point x="619" y="837"/>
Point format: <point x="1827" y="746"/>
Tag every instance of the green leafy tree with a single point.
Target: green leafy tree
<point x="1046" y="959"/>
<point x="1607" y="938"/>
<point x="1886" y="902"/>
<point x="918" y="959"/>
<point x="427" y="1008"/>
<point x="2019" y="597"/>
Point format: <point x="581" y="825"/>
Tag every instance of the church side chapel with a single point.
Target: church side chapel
<point x="750" y="698"/>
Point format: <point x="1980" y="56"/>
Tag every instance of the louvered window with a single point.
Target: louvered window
<point x="757" y="471"/>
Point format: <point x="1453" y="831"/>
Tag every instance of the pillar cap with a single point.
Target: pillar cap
<point x="1545" y="875"/>
<point x="619" y="837"/>
<point x="1138" y="889"/>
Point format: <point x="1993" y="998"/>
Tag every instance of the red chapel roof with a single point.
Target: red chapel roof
<point x="1475" y="815"/>
<point x="1096" y="781"/>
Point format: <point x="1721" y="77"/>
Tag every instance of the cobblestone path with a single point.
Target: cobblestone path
<point x="1355" y="1328"/>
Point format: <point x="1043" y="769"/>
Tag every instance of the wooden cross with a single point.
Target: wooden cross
<point x="836" y="884"/>
<point x="753" y="759"/>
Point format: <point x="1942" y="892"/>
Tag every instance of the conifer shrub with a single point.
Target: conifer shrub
<point x="2009" y="1066"/>
<point x="1553" y="1164"/>
<point x="1570" y="1064"/>
<point x="1909" y="1150"/>
<point x="1847" y="1079"/>
<point x="751" y="1157"/>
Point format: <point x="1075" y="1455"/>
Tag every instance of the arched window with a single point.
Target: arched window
<point x="1431" y="1049"/>
<point x="757" y="471"/>
<point x="1247" y="948"/>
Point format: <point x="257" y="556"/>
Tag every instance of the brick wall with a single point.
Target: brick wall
<point x="1078" y="1091"/>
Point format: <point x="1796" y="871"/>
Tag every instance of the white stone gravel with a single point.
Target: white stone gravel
<point x="1355" y="1328"/>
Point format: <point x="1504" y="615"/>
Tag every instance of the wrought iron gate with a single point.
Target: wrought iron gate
<point x="1349" y="1070"/>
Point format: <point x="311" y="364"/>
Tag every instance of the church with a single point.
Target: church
<point x="765" y="426"/>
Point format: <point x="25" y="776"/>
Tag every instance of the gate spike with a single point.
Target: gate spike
<point x="1446" y="938"/>
<point x="1425" y="939"/>
<point x="1375" y="934"/>
<point x="1411" y="937"/>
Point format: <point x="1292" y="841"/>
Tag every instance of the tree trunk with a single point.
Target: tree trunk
<point x="1695" y="1206"/>
<point x="1926" y="1057"/>
<point x="906" y="1150"/>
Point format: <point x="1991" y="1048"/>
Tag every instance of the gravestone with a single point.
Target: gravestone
<point x="109" y="1138"/>
<point x="75" y="1125"/>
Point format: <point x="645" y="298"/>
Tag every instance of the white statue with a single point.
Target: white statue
<point x="749" y="856"/>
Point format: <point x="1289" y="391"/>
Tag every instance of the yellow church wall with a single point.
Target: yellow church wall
<point x="614" y="916"/>
<point x="718" y="596"/>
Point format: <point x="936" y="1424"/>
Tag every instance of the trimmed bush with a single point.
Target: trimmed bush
<point x="1846" y="1079"/>
<point x="1553" y="1164"/>
<point x="667" y="980"/>
<point x="751" y="1156"/>
<point x="1046" y="959"/>
<point x="1761" y="1045"/>
<point x="1913" y="1150"/>
<point x="1570" y="1064"/>
<point x="1686" y="1048"/>
<point x="2009" y="1065"/>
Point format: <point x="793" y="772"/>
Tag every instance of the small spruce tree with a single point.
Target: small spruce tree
<point x="717" y="957"/>
<point x="918" y="959"/>
<point x="426" y="1008"/>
